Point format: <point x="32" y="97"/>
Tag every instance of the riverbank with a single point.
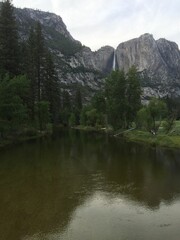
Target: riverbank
<point x="164" y="140"/>
<point x="93" y="129"/>
<point x="133" y="135"/>
<point x="11" y="140"/>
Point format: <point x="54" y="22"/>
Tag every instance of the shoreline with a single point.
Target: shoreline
<point x="8" y="142"/>
<point x="160" y="140"/>
<point x="137" y="136"/>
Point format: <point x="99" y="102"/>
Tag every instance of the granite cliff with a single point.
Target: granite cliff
<point x="76" y="64"/>
<point x="158" y="62"/>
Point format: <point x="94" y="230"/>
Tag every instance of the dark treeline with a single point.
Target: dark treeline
<point x="28" y="81"/>
<point x="30" y="95"/>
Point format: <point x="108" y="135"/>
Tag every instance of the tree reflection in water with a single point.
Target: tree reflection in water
<point x="51" y="184"/>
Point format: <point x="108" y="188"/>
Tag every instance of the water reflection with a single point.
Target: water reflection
<point x="88" y="186"/>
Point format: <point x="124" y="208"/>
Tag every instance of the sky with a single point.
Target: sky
<point x="97" y="23"/>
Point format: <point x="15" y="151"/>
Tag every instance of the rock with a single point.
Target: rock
<point x="50" y="20"/>
<point x="100" y="60"/>
<point x="158" y="62"/>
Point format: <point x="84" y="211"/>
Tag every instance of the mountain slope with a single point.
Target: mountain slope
<point x="76" y="64"/>
<point x="157" y="61"/>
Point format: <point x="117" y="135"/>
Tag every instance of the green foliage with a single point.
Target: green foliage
<point x="40" y="69"/>
<point x="35" y="101"/>
<point x="115" y="92"/>
<point x="90" y="116"/>
<point x="9" y="49"/>
<point x="13" y="108"/>
<point x="83" y="117"/>
<point x="77" y="105"/>
<point x="157" y="108"/>
<point x="143" y="118"/>
<point x="66" y="108"/>
<point x="133" y="94"/>
<point x="122" y="93"/>
<point x="150" y="117"/>
<point x="43" y="114"/>
<point x="99" y="102"/>
<point x="51" y="89"/>
<point x="72" y="120"/>
<point x="169" y="123"/>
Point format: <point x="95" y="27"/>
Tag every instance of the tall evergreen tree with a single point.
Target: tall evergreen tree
<point x="35" y="67"/>
<point x="51" y="88"/>
<point x="9" y="49"/>
<point x="39" y="52"/>
<point x="133" y="94"/>
<point x="116" y="99"/>
<point x="30" y="70"/>
<point x="67" y="108"/>
<point x="77" y="105"/>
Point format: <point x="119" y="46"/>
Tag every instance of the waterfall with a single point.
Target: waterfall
<point x="114" y="61"/>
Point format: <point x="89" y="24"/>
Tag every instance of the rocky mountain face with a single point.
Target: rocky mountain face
<point x="158" y="62"/>
<point x="76" y="64"/>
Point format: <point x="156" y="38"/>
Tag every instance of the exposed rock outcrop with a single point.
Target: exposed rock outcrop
<point x="76" y="64"/>
<point x="100" y="60"/>
<point x="29" y="16"/>
<point x="158" y="62"/>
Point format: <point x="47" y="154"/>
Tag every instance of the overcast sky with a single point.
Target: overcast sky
<point x="97" y="23"/>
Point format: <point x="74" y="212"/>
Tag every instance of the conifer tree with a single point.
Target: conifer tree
<point x="34" y="67"/>
<point x="115" y="93"/>
<point x="9" y="49"/>
<point x="39" y="54"/>
<point x="30" y="70"/>
<point x="51" y="88"/>
<point x="66" y="104"/>
<point x="133" y="94"/>
<point x="77" y="105"/>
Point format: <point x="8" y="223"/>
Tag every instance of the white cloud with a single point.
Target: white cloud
<point x="108" y="22"/>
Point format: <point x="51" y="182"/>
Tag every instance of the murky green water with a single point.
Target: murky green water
<point x="84" y="186"/>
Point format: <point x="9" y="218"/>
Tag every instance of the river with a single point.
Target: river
<point x="86" y="186"/>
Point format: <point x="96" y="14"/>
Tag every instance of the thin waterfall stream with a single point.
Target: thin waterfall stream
<point x="114" y="61"/>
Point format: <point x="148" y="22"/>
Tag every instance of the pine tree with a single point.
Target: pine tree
<point x="115" y="93"/>
<point x="9" y="49"/>
<point x="77" y="105"/>
<point x="34" y="66"/>
<point x="39" y="54"/>
<point x="51" y="88"/>
<point x="133" y="94"/>
<point x="30" y="70"/>
<point x="67" y="108"/>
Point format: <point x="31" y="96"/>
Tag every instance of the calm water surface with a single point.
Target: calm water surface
<point x="84" y="186"/>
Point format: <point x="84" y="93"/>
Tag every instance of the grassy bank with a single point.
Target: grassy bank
<point x="164" y="140"/>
